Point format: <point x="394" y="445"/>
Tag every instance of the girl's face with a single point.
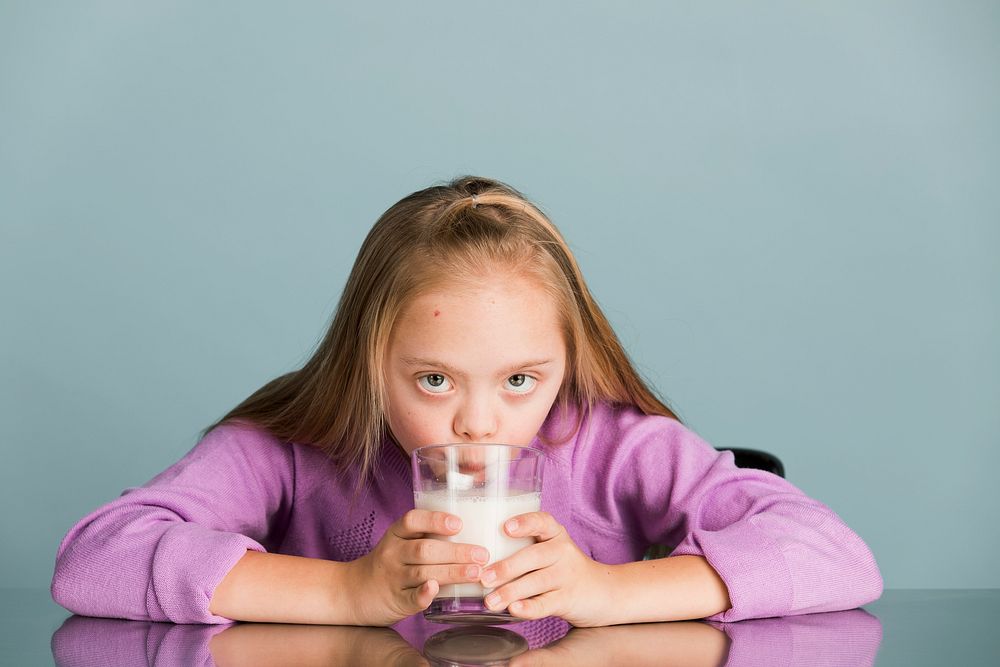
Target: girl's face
<point x="474" y="363"/>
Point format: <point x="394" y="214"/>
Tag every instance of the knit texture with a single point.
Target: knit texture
<point x="623" y="482"/>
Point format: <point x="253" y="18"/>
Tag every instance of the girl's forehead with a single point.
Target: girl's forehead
<point x="501" y="289"/>
<point x="503" y="321"/>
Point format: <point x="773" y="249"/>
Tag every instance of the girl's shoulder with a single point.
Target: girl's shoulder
<point x="239" y="433"/>
<point x="244" y="441"/>
<point x="310" y="461"/>
<point x="627" y="423"/>
<point x="609" y="431"/>
<point x="231" y="451"/>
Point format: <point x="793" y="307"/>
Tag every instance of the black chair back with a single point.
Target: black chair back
<point x="757" y="459"/>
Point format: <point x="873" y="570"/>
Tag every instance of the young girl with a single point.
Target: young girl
<point x="465" y="319"/>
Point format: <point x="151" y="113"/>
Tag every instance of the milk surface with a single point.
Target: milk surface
<point x="482" y="524"/>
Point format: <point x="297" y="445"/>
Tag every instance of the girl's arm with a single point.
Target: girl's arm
<point x="396" y="579"/>
<point x="277" y="588"/>
<point x="158" y="551"/>
<point x="666" y="589"/>
<point x="777" y="551"/>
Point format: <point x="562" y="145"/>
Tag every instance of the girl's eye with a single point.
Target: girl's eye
<point x="521" y="383"/>
<point x="435" y="383"/>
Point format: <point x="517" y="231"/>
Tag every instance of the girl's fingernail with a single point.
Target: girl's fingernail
<point x="453" y="523"/>
<point x="492" y="600"/>
<point x="489" y="576"/>
<point x="511" y="525"/>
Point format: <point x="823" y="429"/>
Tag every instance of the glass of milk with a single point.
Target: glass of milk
<point x="484" y="484"/>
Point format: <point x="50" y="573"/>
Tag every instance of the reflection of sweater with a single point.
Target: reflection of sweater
<point x="623" y="482"/>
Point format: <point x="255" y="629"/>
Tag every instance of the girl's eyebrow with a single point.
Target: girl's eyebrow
<point x="418" y="361"/>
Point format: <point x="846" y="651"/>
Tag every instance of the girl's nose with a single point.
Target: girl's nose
<point x="475" y="421"/>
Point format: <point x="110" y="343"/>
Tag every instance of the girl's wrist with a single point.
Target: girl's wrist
<point x="666" y="589"/>
<point x="604" y="602"/>
<point x="617" y="594"/>
<point x="676" y="588"/>
<point x="352" y="594"/>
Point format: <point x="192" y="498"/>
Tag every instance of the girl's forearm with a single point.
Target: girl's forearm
<point x="677" y="588"/>
<point x="276" y="588"/>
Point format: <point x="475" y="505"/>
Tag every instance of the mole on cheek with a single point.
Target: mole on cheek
<point x="437" y="312"/>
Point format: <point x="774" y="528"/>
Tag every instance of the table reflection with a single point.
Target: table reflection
<point x="846" y="638"/>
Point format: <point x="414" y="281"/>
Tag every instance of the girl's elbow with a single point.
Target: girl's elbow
<point x="865" y="577"/>
<point x="62" y="592"/>
<point x="876" y="585"/>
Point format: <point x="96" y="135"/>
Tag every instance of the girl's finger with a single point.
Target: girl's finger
<point x="530" y="585"/>
<point x="528" y="559"/>
<point x="437" y="552"/>
<point x="536" y="607"/>
<point x="443" y="574"/>
<point x="418" y="523"/>
<point x="541" y="525"/>
<point x="423" y="594"/>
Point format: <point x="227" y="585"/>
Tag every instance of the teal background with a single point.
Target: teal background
<point x="788" y="210"/>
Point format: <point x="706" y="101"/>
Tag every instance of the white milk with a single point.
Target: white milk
<point x="482" y="524"/>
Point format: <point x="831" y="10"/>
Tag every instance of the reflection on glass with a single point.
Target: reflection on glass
<point x="89" y="642"/>
<point x="683" y="643"/>
<point x="845" y="638"/>
<point x="474" y="645"/>
<point x="840" y="638"/>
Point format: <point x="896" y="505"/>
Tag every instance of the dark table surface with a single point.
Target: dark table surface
<point x="904" y="627"/>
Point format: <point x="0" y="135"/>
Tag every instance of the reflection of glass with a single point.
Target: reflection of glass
<point x="484" y="484"/>
<point x="417" y="630"/>
<point x="474" y="645"/>
<point x="843" y="638"/>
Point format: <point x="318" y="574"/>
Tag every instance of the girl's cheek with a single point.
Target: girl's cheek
<point x="430" y="423"/>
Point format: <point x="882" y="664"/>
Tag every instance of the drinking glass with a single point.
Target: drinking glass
<point x="484" y="485"/>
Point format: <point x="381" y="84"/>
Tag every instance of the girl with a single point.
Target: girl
<point x="465" y="319"/>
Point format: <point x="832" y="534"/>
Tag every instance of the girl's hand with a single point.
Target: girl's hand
<point x="552" y="577"/>
<point x="405" y="570"/>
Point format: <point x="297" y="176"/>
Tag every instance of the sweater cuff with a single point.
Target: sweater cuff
<point x="751" y="565"/>
<point x="189" y="562"/>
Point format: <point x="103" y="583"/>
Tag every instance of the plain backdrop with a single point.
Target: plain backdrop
<point x="788" y="210"/>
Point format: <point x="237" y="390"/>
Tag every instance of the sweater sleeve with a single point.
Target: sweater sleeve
<point x="158" y="551"/>
<point x="778" y="551"/>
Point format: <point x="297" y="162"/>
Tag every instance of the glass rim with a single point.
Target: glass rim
<point x="456" y="445"/>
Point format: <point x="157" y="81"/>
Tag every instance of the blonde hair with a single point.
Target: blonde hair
<point x="337" y="400"/>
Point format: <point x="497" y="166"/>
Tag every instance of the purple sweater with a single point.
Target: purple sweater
<point x="625" y="481"/>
